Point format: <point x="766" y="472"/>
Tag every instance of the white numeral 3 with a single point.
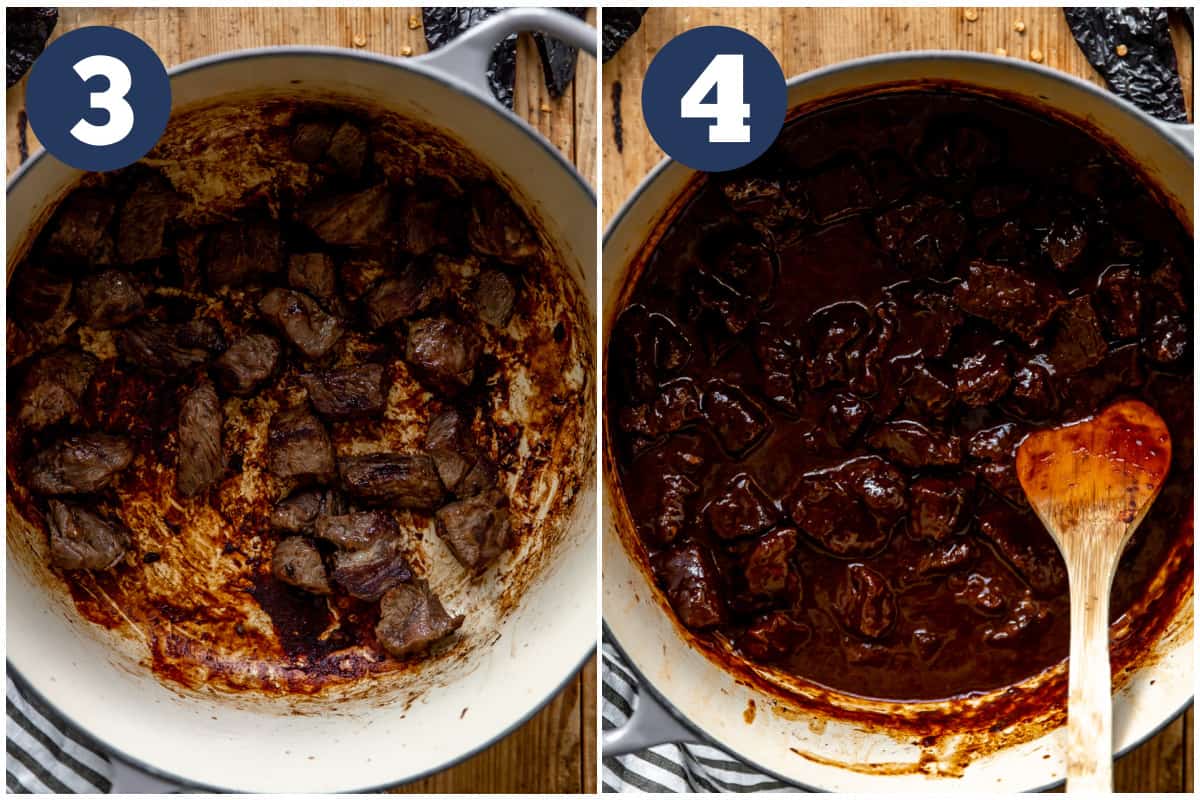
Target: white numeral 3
<point x="112" y="100"/>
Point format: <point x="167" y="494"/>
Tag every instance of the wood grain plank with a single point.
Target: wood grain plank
<point x="588" y="721"/>
<point x="807" y="38"/>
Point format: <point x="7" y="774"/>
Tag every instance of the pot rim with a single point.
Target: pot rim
<point x="918" y="56"/>
<point x="449" y="81"/>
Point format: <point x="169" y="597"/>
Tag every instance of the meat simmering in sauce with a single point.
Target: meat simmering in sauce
<point x="819" y="382"/>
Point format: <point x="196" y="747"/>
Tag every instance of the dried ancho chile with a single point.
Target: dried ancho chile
<point x="443" y="24"/>
<point x="619" y="25"/>
<point x="558" y="58"/>
<point x="27" y="30"/>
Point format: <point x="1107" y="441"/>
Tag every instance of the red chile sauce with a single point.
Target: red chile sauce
<point x="818" y="386"/>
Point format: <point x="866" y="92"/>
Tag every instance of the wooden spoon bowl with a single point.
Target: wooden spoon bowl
<point x="1091" y="483"/>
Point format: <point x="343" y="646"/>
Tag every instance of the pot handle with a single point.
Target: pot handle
<point x="651" y="724"/>
<point x="1183" y="133"/>
<point x="129" y="779"/>
<point x="467" y="57"/>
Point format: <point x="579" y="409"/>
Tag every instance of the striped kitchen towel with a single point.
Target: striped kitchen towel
<point x="47" y="755"/>
<point x="667" y="767"/>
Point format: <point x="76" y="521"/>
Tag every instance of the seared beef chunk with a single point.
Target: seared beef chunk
<point x="850" y="509"/>
<point x="248" y="363"/>
<point x="689" y="577"/>
<point x="947" y="556"/>
<point x="347" y="391"/>
<point x="423" y="225"/>
<point x="142" y="229"/>
<point x="780" y="356"/>
<point x="866" y="602"/>
<point x="168" y="349"/>
<point x="302" y="321"/>
<point x="982" y="376"/>
<point x="389" y="479"/>
<point x="1008" y="299"/>
<point x="773" y="636"/>
<point x="1020" y="538"/>
<point x="981" y="592"/>
<point x="1078" y="342"/>
<point x="296" y="561"/>
<point x="839" y="189"/>
<point x="1026" y="616"/>
<point x="300" y="512"/>
<point x="354" y="219"/>
<point x="412" y="618"/>
<point x="298" y="447"/>
<point x="108" y="299"/>
<point x="461" y="465"/>
<point x="357" y="531"/>
<point x="1167" y="340"/>
<point x="930" y="390"/>
<point x="239" y="252"/>
<point x="1119" y="302"/>
<point x="38" y="295"/>
<point x="677" y="405"/>
<point x="311" y="139"/>
<point x="493" y="297"/>
<point x="498" y="228"/>
<point x="348" y="150"/>
<point x="924" y="235"/>
<point x="414" y="290"/>
<point x="997" y="443"/>
<point x="768" y="568"/>
<point x="743" y="509"/>
<point x="1066" y="241"/>
<point x="926" y="323"/>
<point x="915" y="445"/>
<point x="315" y="275"/>
<point x="476" y="529"/>
<point x="78" y="464"/>
<point x="847" y="414"/>
<point x="1031" y="393"/>
<point x="835" y="329"/>
<point x="80" y="225"/>
<point x="52" y="388"/>
<point x="368" y="572"/>
<point x="673" y="507"/>
<point x="938" y="507"/>
<point x="81" y="540"/>
<point x="444" y="353"/>
<point x="734" y="418"/>
<point x="201" y="459"/>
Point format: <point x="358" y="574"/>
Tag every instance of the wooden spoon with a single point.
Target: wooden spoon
<point x="1091" y="483"/>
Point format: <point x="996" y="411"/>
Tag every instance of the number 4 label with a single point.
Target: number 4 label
<point x="729" y="111"/>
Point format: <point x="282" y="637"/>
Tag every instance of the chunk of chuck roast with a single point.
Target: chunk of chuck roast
<point x="81" y="540"/>
<point x="145" y="217"/>
<point x="852" y="508"/>
<point x="315" y="274"/>
<point x="412" y="618"/>
<point x="300" y="512"/>
<point x="108" y="299"/>
<point x="476" y="529"/>
<point x="865" y="602"/>
<point x="79" y="225"/>
<point x="298" y="447"/>
<point x="443" y="353"/>
<point x="498" y="228"/>
<point x="345" y="392"/>
<point x="352" y="219"/>
<point x="296" y="561"/>
<point x="415" y="289"/>
<point x="392" y="479"/>
<point x="248" y="363"/>
<point x="370" y="559"/>
<point x="460" y="463"/>
<point x="52" y="387"/>
<point x="493" y="297"/>
<point x="302" y="321"/>
<point x="238" y="252"/>
<point x="79" y="464"/>
<point x="168" y="349"/>
<point x="690" y="578"/>
<point x="201" y="459"/>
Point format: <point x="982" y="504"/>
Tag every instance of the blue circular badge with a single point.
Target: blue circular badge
<point x="98" y="98"/>
<point x="714" y="98"/>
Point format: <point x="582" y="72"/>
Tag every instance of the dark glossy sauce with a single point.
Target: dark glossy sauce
<point x="812" y="327"/>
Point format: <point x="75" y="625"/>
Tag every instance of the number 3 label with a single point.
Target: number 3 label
<point x="725" y="73"/>
<point x="112" y="100"/>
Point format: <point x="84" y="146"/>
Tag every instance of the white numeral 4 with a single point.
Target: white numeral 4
<point x="730" y="113"/>
<point x="112" y="100"/>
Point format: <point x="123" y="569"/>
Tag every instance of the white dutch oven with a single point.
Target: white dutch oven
<point x="364" y="739"/>
<point x="686" y="697"/>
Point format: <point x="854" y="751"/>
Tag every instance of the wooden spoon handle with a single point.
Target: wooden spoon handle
<point x="1089" y="694"/>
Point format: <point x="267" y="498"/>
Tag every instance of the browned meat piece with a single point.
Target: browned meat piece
<point x="498" y="228"/>
<point x="768" y="569"/>
<point x="865" y="602"/>
<point x="982" y="593"/>
<point x="781" y="358"/>
<point x="52" y="388"/>
<point x="239" y="252"/>
<point x="1021" y="539"/>
<point x="347" y="391"/>
<point x="997" y="443"/>
<point x="930" y="390"/>
<point x="1008" y="299"/>
<point x="302" y="321"/>
<point x="476" y="529"/>
<point x="248" y="363"/>
<point x="677" y="405"/>
<point x="839" y="189"/>
<point x="1031" y="394"/>
<point x="912" y="444"/>
<point x="298" y="447"/>
<point x="414" y="290"/>
<point x="851" y="509"/>
<point x="78" y="464"/>
<point x="734" y="418"/>
<point x="937" y="507"/>
<point x="461" y="465"/>
<point x="297" y="562"/>
<point x="81" y="540"/>
<point x="835" y="330"/>
<point x="925" y="325"/>
<point x="957" y="151"/>
<point x="742" y="510"/>
<point x="300" y="512"/>
<point x="771" y="206"/>
<point x="923" y="235"/>
<point x="847" y="414"/>
<point x="673" y="504"/>
<point x="1118" y="300"/>
<point x="493" y="297"/>
<point x="348" y="150"/>
<point x="369" y="572"/>
<point x="982" y="376"/>
<point x="723" y="304"/>
<point x="412" y="618"/>
<point x="632" y="353"/>
<point x="201" y="459"/>
<point x="748" y="269"/>
<point x="353" y="219"/>
<point x="315" y="274"/>
<point x="947" y="557"/>
<point x="1078" y="342"/>
<point x="142" y="228"/>
<point x="356" y="531"/>
<point x="108" y="299"/>
<point x="169" y="349"/>
<point x="423" y="225"/>
<point x="773" y="636"/>
<point x="38" y="295"/>
<point x="80" y="226"/>
<point x="1026" y="617"/>
<point x="444" y="353"/>
<point x="389" y="479"/>
<point x="1167" y="339"/>
<point x="998" y="199"/>
<point x="311" y="139"/>
<point x="1066" y="241"/>
<point x="689" y="577"/>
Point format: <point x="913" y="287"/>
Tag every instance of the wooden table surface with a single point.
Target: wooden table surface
<point x="806" y="38"/>
<point x="556" y="750"/>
